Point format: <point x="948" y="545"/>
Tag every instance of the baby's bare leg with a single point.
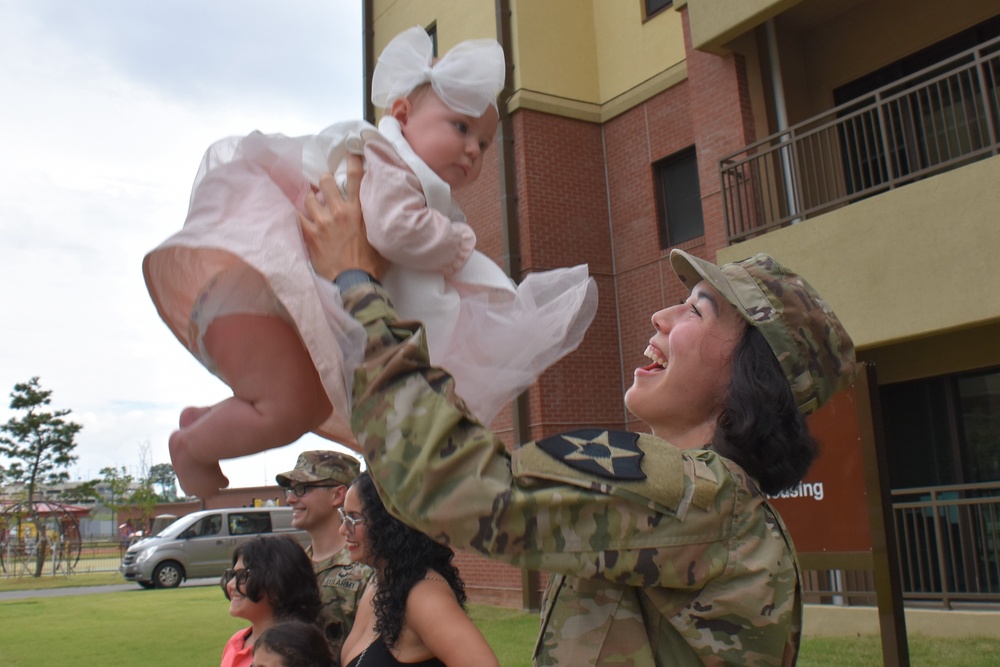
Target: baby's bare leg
<point x="277" y="397"/>
<point x="191" y="415"/>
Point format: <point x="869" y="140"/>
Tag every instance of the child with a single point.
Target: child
<point x="291" y="644"/>
<point x="236" y="287"/>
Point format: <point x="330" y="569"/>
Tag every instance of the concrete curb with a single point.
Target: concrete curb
<point x="833" y="621"/>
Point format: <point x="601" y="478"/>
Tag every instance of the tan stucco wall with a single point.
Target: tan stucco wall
<point x="630" y="51"/>
<point x="456" y="21"/>
<point x="589" y="60"/>
<point x="715" y="22"/>
<point x="555" y="49"/>
<point x="593" y="60"/>
<point x="907" y="264"/>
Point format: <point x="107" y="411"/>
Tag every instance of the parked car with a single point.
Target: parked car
<point x="201" y="544"/>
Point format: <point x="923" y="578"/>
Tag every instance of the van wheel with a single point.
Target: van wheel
<point x="168" y="574"/>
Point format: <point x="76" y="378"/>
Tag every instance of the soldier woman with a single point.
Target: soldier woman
<point x="663" y="548"/>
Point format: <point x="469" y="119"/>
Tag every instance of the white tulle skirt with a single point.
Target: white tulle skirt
<point x="499" y="348"/>
<point x="243" y="214"/>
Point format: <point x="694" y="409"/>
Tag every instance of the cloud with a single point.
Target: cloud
<point x="108" y="107"/>
<point x="205" y="52"/>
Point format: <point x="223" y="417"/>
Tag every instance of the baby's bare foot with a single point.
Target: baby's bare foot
<point x="190" y="415"/>
<point x="197" y="478"/>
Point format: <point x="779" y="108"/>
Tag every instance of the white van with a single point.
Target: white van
<point x="201" y="544"/>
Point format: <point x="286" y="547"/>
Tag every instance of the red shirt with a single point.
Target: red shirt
<point x="234" y="654"/>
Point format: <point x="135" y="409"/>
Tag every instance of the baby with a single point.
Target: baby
<point x="292" y="644"/>
<point x="236" y="287"/>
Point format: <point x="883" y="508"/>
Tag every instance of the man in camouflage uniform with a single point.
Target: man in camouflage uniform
<point x="659" y="555"/>
<point x="315" y="489"/>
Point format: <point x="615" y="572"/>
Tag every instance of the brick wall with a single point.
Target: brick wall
<point x="488" y="581"/>
<point x="563" y="212"/>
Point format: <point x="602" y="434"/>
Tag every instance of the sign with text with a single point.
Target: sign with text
<point x="828" y="510"/>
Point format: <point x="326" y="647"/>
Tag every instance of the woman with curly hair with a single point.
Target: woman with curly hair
<point x="413" y="612"/>
<point x="271" y="581"/>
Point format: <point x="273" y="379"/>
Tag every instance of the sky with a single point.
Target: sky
<point x="107" y="107"/>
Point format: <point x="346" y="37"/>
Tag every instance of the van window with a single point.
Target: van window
<point x="249" y="523"/>
<point x="204" y="527"/>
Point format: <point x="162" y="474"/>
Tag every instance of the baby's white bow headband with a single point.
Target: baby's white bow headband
<point x="467" y="78"/>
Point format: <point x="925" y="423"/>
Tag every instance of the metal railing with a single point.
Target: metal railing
<point x="17" y="559"/>
<point x="949" y="542"/>
<point x="940" y="118"/>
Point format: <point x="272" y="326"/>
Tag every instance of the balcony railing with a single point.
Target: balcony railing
<point x="948" y="539"/>
<point x="940" y="118"/>
<point x="949" y="542"/>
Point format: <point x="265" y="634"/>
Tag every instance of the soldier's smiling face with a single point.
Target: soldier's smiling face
<point x="316" y="507"/>
<point x="680" y="394"/>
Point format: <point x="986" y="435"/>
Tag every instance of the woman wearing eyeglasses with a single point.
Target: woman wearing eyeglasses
<point x="271" y="581"/>
<point x="413" y="612"/>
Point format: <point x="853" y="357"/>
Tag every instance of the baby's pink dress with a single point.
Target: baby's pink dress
<point x="241" y="250"/>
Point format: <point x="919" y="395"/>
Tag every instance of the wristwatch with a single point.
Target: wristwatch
<point x="345" y="280"/>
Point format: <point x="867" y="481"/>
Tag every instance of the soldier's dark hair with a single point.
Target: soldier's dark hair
<point x="401" y="556"/>
<point x="279" y="570"/>
<point x="298" y="644"/>
<point x="760" y="426"/>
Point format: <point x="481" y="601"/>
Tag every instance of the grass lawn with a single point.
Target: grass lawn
<point x="182" y="626"/>
<point x="60" y="581"/>
<point x="188" y="627"/>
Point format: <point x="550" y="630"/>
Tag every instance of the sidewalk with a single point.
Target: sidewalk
<point x="834" y="621"/>
<point x="89" y="590"/>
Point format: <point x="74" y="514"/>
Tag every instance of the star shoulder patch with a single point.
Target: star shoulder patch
<point x="609" y="454"/>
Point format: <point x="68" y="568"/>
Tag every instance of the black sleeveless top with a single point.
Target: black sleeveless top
<point x="378" y="655"/>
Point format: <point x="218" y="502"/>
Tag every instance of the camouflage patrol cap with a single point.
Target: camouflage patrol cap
<point x="805" y="335"/>
<point x="321" y="465"/>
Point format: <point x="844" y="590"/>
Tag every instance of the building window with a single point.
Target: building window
<point x="943" y="440"/>
<point x="943" y="430"/>
<point x="249" y="523"/>
<point x="432" y="32"/>
<point x="979" y="400"/>
<point x="651" y="8"/>
<point x="678" y="198"/>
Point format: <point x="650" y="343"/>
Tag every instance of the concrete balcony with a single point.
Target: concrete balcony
<point x="888" y="203"/>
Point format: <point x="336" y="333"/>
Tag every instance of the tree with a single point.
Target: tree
<point x="119" y="483"/>
<point x="162" y="475"/>
<point x="127" y="493"/>
<point x="38" y="444"/>
<point x="143" y="497"/>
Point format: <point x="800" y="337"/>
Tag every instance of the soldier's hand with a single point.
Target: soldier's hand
<point x="334" y="227"/>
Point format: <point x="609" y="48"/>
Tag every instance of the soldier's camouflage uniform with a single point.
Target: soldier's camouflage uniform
<point x="342" y="582"/>
<point x="659" y="556"/>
